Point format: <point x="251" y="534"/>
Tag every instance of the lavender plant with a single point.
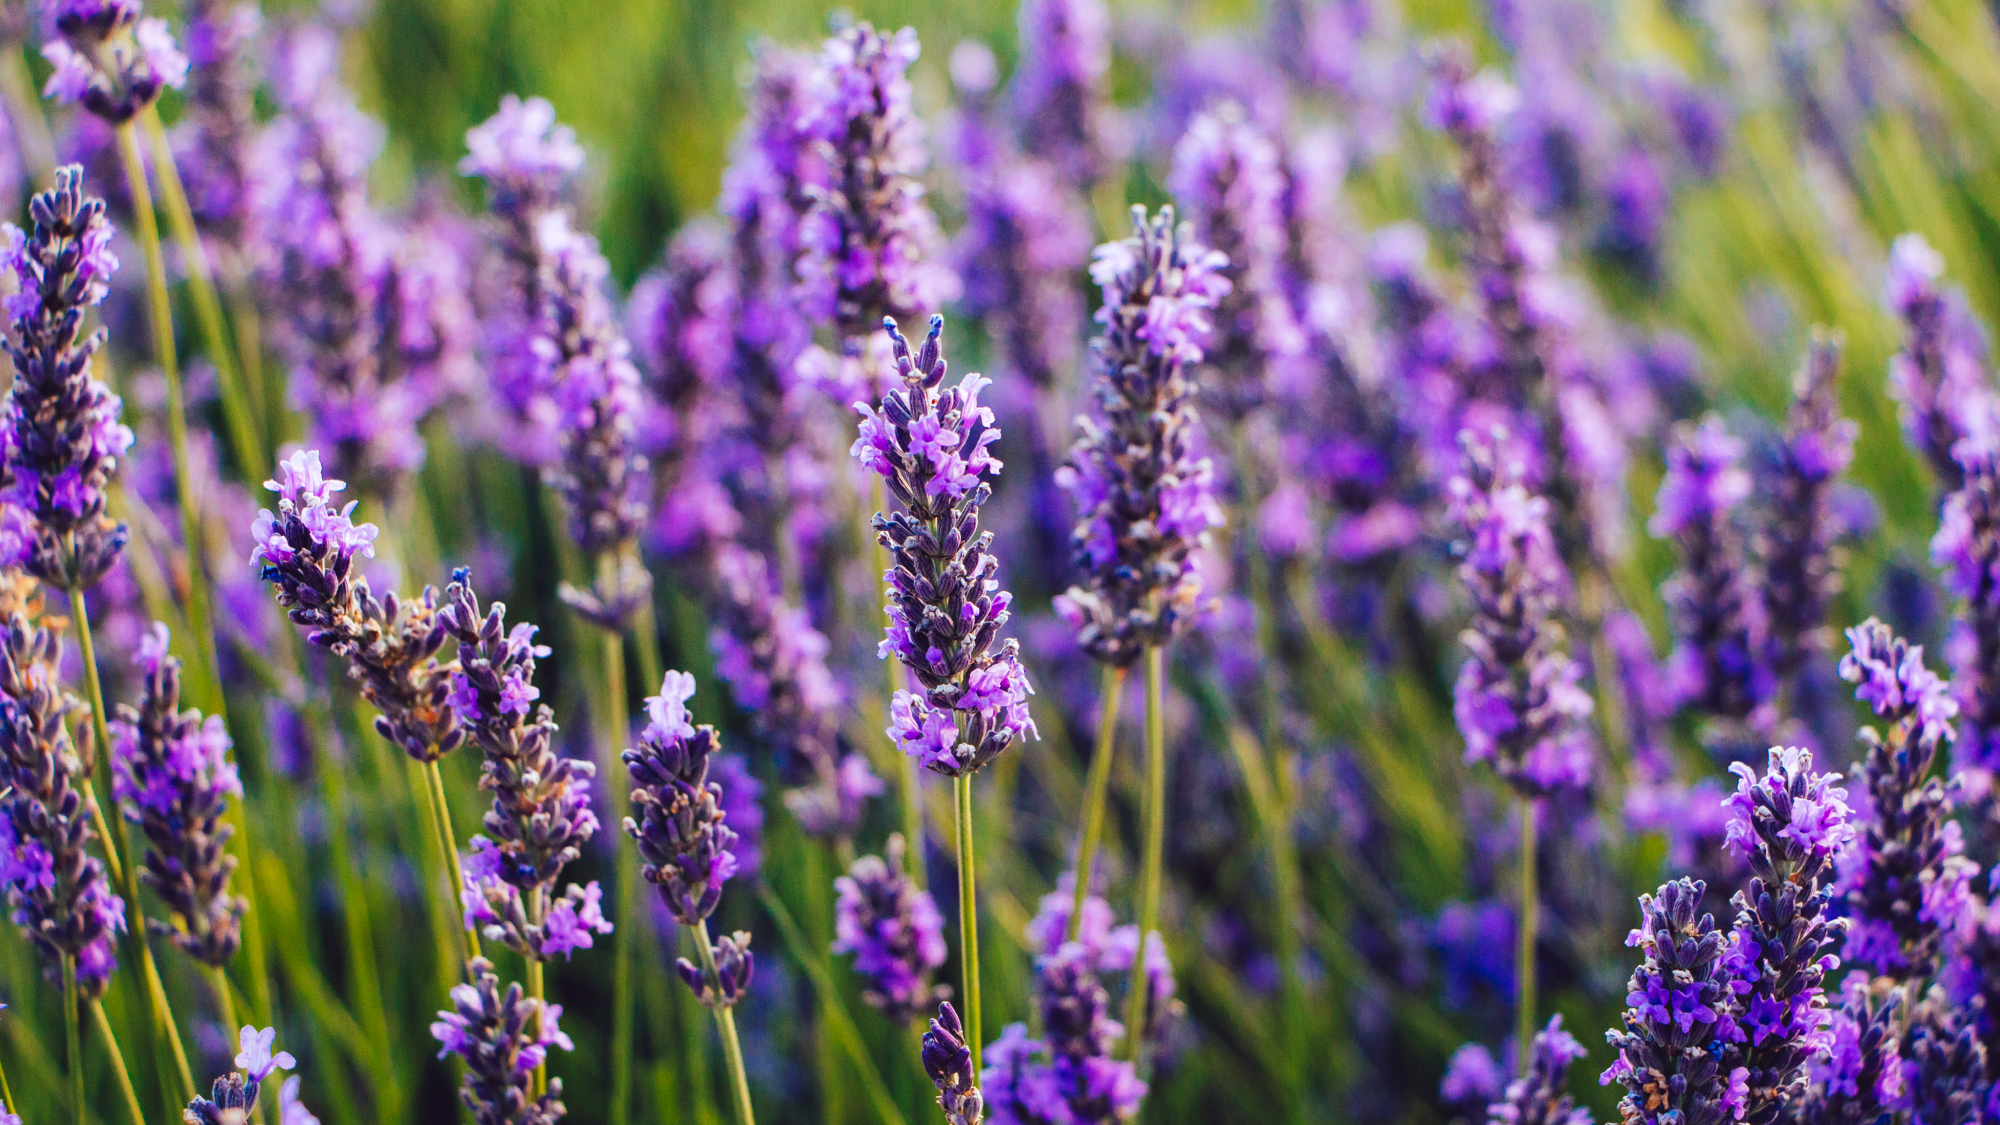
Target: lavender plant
<point x="895" y="933"/>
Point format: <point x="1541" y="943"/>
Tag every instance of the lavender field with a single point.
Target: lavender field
<point x="1268" y="561"/>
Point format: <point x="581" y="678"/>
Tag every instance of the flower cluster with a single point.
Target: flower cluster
<point x="541" y="816"/>
<point x="1967" y="548"/>
<point x="59" y="892"/>
<point x="1517" y="699"/>
<point x="174" y="780"/>
<point x="1677" y="1017"/>
<point x="1796" y="547"/>
<point x="1939" y="378"/>
<point x="1144" y="497"/>
<point x="215" y="142"/>
<point x="1906" y="882"/>
<point x="109" y="60"/>
<point x="948" y="1061"/>
<point x="62" y="436"/>
<point x="1540" y="1095"/>
<point x="502" y="1037"/>
<point x="946" y="609"/>
<point x="893" y="929"/>
<point x="1861" y="1073"/>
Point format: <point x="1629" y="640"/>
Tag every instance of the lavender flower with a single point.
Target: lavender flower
<point x="1539" y="1096"/>
<point x="173" y="780"/>
<point x="1472" y="1080"/>
<point x="1231" y="184"/>
<point x="948" y="1061"/>
<point x="1967" y="548"/>
<point x="1790" y="822"/>
<point x="679" y="320"/>
<point x="1945" y="1069"/>
<point x="62" y="435"/>
<point x="1861" y="1072"/>
<point x="112" y="74"/>
<point x="1144" y="500"/>
<point x="1906" y="883"/>
<point x="1939" y="378"/>
<point x="1677" y="1015"/>
<point x="1059" y="95"/>
<point x="1517" y="699"/>
<point x="59" y="893"/>
<point x="895" y="933"/>
<point x="214" y="144"/>
<point x="541" y="816"/>
<point x="1796" y="547"/>
<point x="1719" y="663"/>
<point x="233" y="1097"/>
<point x="871" y="246"/>
<point x="503" y="1038"/>
<point x="946" y="608"/>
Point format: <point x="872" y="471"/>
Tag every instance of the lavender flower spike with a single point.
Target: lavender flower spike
<point x="503" y="1037"/>
<point x="1796" y="549"/>
<point x="1677" y="1014"/>
<point x="174" y="780"/>
<point x="948" y="1061"/>
<point x="110" y="73"/>
<point x="1939" y="378"/>
<point x="946" y="609"/>
<point x="1967" y="548"/>
<point x="1059" y="97"/>
<point x="1144" y="501"/>
<point x="895" y="933"/>
<point x="62" y="437"/>
<point x="1517" y="699"/>
<point x="1539" y="1096"/>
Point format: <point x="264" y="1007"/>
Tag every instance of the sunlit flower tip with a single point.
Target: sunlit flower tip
<point x="255" y="1058"/>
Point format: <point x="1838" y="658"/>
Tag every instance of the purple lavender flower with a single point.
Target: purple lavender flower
<point x="946" y="608"/>
<point x="60" y="895"/>
<point x="871" y="246"/>
<point x="1945" y="1073"/>
<point x="1906" y="882"/>
<point x="503" y="1038"/>
<point x="541" y="816"/>
<point x="1517" y="699"/>
<point x="1539" y="1096"/>
<point x="1144" y="500"/>
<point x="1939" y="378"/>
<point x="214" y="144"/>
<point x="948" y="1061"/>
<point x="62" y="435"/>
<point x="1079" y="1035"/>
<point x="1861" y="1073"/>
<point x="1060" y="90"/>
<point x="895" y="933"/>
<point x="1676" y="1014"/>
<point x="1472" y="1080"/>
<point x="680" y="320"/>
<point x="111" y="74"/>
<point x="1230" y="182"/>
<point x="1796" y="547"/>
<point x="1719" y="663"/>
<point x="174" y="779"/>
<point x="233" y="1097"/>
<point x="1967" y="548"/>
<point x="743" y="811"/>
<point x="1790" y="822"/>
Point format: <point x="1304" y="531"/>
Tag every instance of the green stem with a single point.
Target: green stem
<point x="725" y="1020"/>
<point x="1155" y="816"/>
<point x="832" y="1008"/>
<point x="538" y="989"/>
<point x="6" y="1092"/>
<point x="623" y="940"/>
<point x="1095" y="787"/>
<point x="447" y="842"/>
<point x="1524" y="1028"/>
<point x="968" y="916"/>
<point x="118" y="1063"/>
<point x="72" y="1040"/>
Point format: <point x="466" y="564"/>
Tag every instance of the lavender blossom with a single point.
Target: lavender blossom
<point x="503" y="1038"/>
<point x="1719" y="664"/>
<point x="1677" y="1016"/>
<point x="62" y="435"/>
<point x="1059" y="95"/>
<point x="871" y="246"/>
<point x="60" y="895"/>
<point x="1539" y="1096"/>
<point x="679" y="320"/>
<point x="174" y="779"/>
<point x="1517" y="699"/>
<point x="1790" y="822"/>
<point x="1472" y="1081"/>
<point x="1796" y="547"/>
<point x="1861" y="1073"/>
<point x="946" y="609"/>
<point x="948" y="1061"/>
<point x="1967" y="548"/>
<point x="541" y="816"/>
<point x="1945" y="1074"/>
<point x="1144" y="500"/>
<point x="1906" y="882"/>
<point x="215" y="143"/>
<point x="1939" y="378"/>
<point x="893" y="929"/>
<point x="112" y="74"/>
<point x="1231" y="184"/>
<point x="233" y="1097"/>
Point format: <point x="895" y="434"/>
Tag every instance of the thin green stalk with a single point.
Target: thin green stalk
<point x="1155" y="816"/>
<point x="118" y="1063"/>
<point x="447" y="842"/>
<point x="6" y="1092"/>
<point x="1094" y="790"/>
<point x="725" y="1020"/>
<point x="913" y="786"/>
<point x="539" y="990"/>
<point x="1524" y="1026"/>
<point x="364" y="976"/>
<point x="623" y="940"/>
<point x="833" y="1010"/>
<point x="72" y="1040"/>
<point x="968" y="916"/>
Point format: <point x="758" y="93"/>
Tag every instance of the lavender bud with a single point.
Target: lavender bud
<point x="680" y="830"/>
<point x="233" y="1097"/>
<point x="502" y="1037"/>
<point x="895" y="933"/>
<point x="1861" y="1073"/>
<point x="112" y="75"/>
<point x="733" y="968"/>
<point x="948" y="1061"/>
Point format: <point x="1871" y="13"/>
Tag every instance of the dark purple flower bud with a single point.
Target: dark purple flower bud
<point x="689" y="851"/>
<point x="173" y="778"/>
<point x="1939" y="378"/>
<point x="113" y="76"/>
<point x="895" y="933"/>
<point x="946" y="608"/>
<point x="948" y="1061"/>
<point x="1540" y="1096"/>
<point x="62" y="435"/>
<point x="1946" y="1073"/>
<point x="1144" y="500"/>
<point x="502" y="1037"/>
<point x="1677" y="1014"/>
<point x="1797" y="546"/>
<point x="1059" y="95"/>
<point x="734" y="967"/>
<point x="1518" y="702"/>
<point x="1719" y="664"/>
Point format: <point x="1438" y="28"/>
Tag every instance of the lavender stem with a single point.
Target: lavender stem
<point x="1524" y="1017"/>
<point x="538" y="989"/>
<point x="72" y="1041"/>
<point x="616" y="737"/>
<point x="1156" y="816"/>
<point x="834" y="1007"/>
<point x="968" y="913"/>
<point x="725" y="1020"/>
<point x="118" y="1063"/>
<point x="447" y="842"/>
<point x="1098" y="781"/>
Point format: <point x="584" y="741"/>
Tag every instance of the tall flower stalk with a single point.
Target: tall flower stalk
<point x="1145" y="501"/>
